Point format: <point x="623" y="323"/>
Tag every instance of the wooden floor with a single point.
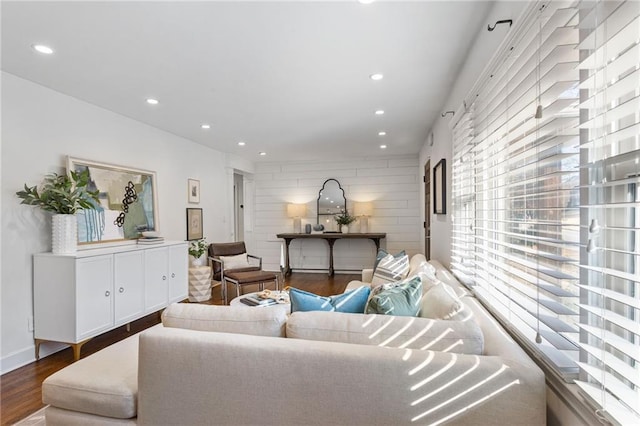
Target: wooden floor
<point x="21" y="389"/>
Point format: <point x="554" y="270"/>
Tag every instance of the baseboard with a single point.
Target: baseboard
<point x="28" y="355"/>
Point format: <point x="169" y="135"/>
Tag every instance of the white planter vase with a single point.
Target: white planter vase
<point x="344" y="229"/>
<point x="64" y="234"/>
<point x="198" y="261"/>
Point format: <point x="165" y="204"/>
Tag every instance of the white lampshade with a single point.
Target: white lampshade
<point x="296" y="210"/>
<point x="363" y="209"/>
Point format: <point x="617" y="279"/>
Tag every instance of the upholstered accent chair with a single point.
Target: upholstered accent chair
<point x="240" y="269"/>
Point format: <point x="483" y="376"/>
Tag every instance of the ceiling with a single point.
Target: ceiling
<point x="287" y="78"/>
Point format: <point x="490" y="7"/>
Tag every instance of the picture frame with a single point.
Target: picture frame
<point x="194" y="224"/>
<point x="128" y="202"/>
<point x="193" y="191"/>
<point x="440" y="187"/>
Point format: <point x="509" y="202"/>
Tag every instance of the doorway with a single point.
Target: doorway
<point x="238" y="206"/>
<point x="427" y="209"/>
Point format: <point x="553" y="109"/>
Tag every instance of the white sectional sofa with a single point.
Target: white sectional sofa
<point x="258" y="366"/>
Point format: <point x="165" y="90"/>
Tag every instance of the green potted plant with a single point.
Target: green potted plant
<point x="344" y="219"/>
<point x="63" y="195"/>
<point x="196" y="249"/>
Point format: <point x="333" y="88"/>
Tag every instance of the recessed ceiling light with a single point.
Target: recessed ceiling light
<point x="382" y="133"/>
<point x="263" y="153"/>
<point x="152" y="101"/>
<point x="241" y="143"/>
<point x="376" y="77"/>
<point x="383" y="147"/>
<point x="41" y="48"/>
<point x="379" y="112"/>
<point x="205" y="126"/>
<point x="365" y="1"/>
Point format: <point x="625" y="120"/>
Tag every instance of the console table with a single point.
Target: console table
<point x="330" y="238"/>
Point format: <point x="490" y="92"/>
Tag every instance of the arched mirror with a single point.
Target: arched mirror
<point x="331" y="201"/>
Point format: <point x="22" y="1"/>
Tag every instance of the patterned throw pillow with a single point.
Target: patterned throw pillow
<point x="391" y="269"/>
<point x="352" y="301"/>
<point x="382" y="253"/>
<point x="401" y="299"/>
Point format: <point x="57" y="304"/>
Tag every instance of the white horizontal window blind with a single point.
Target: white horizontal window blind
<point x="546" y="196"/>
<point x="610" y="201"/>
<point x="520" y="244"/>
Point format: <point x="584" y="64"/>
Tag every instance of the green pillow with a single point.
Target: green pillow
<point x="401" y="298"/>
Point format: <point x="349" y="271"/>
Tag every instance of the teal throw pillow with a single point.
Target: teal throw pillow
<point x="401" y="298"/>
<point x="382" y="253"/>
<point x="352" y="301"/>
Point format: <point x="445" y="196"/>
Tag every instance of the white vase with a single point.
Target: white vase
<point x="197" y="261"/>
<point x="64" y="234"/>
<point x="344" y="229"/>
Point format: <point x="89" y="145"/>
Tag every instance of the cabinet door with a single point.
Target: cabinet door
<point x="94" y="296"/>
<point x="128" y="286"/>
<point x="178" y="273"/>
<point x="156" y="291"/>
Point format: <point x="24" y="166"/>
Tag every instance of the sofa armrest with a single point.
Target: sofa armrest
<point x="367" y="275"/>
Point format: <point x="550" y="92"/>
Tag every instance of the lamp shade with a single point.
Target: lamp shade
<point x="296" y="210"/>
<point x="363" y="209"/>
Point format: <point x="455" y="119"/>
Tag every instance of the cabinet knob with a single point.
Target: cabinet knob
<point x="173" y="275"/>
<point x="107" y="293"/>
<point x="121" y="289"/>
<point x="164" y="278"/>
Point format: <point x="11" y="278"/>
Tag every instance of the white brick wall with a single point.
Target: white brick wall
<point x="392" y="184"/>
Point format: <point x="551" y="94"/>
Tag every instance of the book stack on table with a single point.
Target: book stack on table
<point x="150" y="240"/>
<point x="252" y="300"/>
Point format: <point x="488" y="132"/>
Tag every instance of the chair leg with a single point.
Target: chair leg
<point x="277" y="284"/>
<point x="224" y="291"/>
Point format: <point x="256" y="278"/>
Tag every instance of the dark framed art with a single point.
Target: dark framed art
<point x="440" y="187"/>
<point x="194" y="224"/>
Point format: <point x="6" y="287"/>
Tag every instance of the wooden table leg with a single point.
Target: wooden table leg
<point x="331" y="243"/>
<point x="287" y="266"/>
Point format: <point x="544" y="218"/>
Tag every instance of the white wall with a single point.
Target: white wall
<point x="482" y="51"/>
<point x="390" y="183"/>
<point x="40" y="127"/>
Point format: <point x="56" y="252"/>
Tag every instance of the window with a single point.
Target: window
<point x="546" y="203"/>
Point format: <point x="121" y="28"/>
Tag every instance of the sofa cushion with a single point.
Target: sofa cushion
<point x="104" y="384"/>
<point x="238" y="261"/>
<point x="267" y="321"/>
<point x="442" y="302"/>
<point x="400" y="299"/>
<point x="351" y="301"/>
<point x="389" y="331"/>
<point x="391" y="269"/>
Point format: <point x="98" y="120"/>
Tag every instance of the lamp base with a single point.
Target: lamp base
<point x="297" y="225"/>
<point x="364" y="225"/>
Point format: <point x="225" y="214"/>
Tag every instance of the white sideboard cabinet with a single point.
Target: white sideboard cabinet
<point x="77" y="297"/>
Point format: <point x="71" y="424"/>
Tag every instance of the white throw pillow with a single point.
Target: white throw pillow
<point x="442" y="302"/>
<point x="235" y="262"/>
<point x="391" y="269"/>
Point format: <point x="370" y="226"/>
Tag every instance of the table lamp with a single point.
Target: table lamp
<point x="296" y="211"/>
<point x="363" y="211"/>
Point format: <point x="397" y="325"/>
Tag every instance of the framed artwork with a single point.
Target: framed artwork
<point x="194" y="224"/>
<point x="194" y="191"/>
<point x="440" y="187"/>
<point x="128" y="202"/>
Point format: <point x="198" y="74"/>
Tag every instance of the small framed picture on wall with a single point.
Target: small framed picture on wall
<point x="194" y="224"/>
<point x="194" y="191"/>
